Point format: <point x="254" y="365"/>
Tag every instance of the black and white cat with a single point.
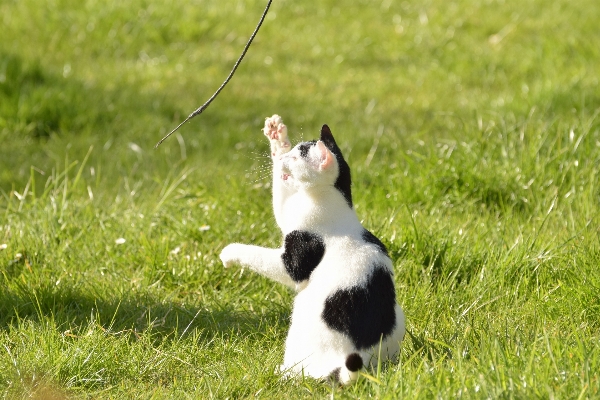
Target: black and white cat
<point x="345" y="314"/>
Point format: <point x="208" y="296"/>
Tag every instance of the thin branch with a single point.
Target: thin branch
<point x="199" y="110"/>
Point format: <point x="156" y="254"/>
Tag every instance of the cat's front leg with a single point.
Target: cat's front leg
<point x="276" y="132"/>
<point x="265" y="261"/>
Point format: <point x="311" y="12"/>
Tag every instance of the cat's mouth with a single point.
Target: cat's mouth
<point x="285" y="171"/>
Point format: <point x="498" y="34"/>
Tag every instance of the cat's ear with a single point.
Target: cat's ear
<point x="326" y="157"/>
<point x="327" y="138"/>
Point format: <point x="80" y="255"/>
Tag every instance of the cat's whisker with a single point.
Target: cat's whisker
<point x="256" y="156"/>
<point x="260" y="174"/>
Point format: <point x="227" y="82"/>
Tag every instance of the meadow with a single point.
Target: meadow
<point x="472" y="130"/>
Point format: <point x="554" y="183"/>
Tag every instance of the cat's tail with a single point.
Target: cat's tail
<point x="349" y="371"/>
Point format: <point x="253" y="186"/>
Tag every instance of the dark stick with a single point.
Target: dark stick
<point x="204" y="106"/>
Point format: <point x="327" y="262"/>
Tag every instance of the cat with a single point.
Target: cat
<point x="345" y="314"/>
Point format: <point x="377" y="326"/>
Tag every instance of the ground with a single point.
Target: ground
<point x="472" y="132"/>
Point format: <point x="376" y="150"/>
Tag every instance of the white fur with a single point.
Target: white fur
<point x="304" y="199"/>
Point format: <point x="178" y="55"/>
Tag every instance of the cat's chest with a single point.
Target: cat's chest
<point x="302" y="212"/>
<point x="299" y="212"/>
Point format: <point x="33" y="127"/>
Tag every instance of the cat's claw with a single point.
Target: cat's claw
<point x="276" y="131"/>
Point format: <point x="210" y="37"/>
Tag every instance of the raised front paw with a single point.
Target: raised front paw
<point x="276" y="131"/>
<point x="230" y="255"/>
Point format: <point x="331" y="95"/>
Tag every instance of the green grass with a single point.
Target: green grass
<point x="472" y="130"/>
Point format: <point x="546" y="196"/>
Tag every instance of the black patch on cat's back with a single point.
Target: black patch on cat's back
<point x="370" y="238"/>
<point x="364" y="313"/>
<point x="302" y="253"/>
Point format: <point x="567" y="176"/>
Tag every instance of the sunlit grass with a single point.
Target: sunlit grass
<point x="473" y="136"/>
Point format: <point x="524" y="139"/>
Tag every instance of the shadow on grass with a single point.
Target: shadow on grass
<point x="72" y="311"/>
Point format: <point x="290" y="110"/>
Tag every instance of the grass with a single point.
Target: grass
<point x="473" y="135"/>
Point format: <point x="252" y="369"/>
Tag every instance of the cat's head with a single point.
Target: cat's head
<point x="318" y="163"/>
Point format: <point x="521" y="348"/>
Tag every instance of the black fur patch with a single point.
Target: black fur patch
<point x="303" y="251"/>
<point x="370" y="238"/>
<point x="335" y="375"/>
<point x="354" y="362"/>
<point x="343" y="182"/>
<point x="304" y="147"/>
<point x="364" y="313"/>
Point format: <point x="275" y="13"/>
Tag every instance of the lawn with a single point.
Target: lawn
<point x="472" y="129"/>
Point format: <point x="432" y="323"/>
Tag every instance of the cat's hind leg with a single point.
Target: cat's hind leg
<point x="348" y="371"/>
<point x="276" y="131"/>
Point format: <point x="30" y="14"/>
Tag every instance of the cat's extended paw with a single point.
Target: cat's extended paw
<point x="276" y="131"/>
<point x="230" y="255"/>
